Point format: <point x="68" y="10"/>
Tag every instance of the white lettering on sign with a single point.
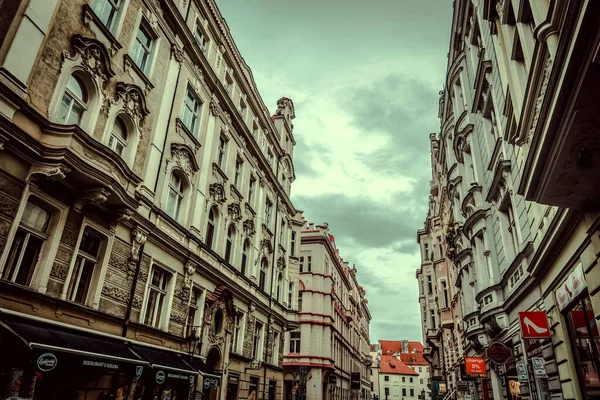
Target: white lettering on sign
<point x="101" y="364"/>
<point x="571" y="287"/>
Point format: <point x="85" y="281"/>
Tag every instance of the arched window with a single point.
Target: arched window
<point x="230" y="243"/>
<point x="279" y="288"/>
<point x="210" y="227"/>
<point x="118" y="137"/>
<point x="175" y="197"/>
<point x="263" y="274"/>
<point x="290" y="294"/>
<point x="245" y="253"/>
<point x="74" y="102"/>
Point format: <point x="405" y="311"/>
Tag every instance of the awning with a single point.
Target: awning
<point x="198" y="364"/>
<point x="51" y="338"/>
<point x="164" y="359"/>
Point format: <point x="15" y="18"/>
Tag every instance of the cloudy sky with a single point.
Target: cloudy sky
<point x="364" y="76"/>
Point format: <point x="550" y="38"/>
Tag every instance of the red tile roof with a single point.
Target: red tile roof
<point x="413" y="359"/>
<point x="392" y="346"/>
<point x="391" y="365"/>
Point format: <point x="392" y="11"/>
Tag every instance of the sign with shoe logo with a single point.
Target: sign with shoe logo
<point x="534" y="325"/>
<point x="572" y="287"/>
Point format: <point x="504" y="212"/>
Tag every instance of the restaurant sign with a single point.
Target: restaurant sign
<point x="571" y="288"/>
<point x="498" y="353"/>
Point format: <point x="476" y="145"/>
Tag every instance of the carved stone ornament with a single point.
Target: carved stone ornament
<point x="51" y="172"/>
<point x="540" y="98"/>
<point x="134" y="100"/>
<point x="190" y="268"/>
<point x="138" y="238"/>
<point x="177" y="53"/>
<point x="234" y="211"/>
<point x="94" y="197"/>
<point x="266" y="246"/>
<point x="214" y="108"/>
<point x="122" y="216"/>
<point x="94" y="56"/>
<point x="251" y="307"/>
<point x="500" y="8"/>
<point x="281" y="263"/>
<point x="216" y="192"/>
<point x="249" y="229"/>
<point x="183" y="158"/>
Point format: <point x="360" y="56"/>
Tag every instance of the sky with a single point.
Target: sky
<point x="364" y="76"/>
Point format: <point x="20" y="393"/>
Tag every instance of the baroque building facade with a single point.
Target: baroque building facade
<point x="515" y="193"/>
<point x="145" y="214"/>
<point x="328" y="356"/>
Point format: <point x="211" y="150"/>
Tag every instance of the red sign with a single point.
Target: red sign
<point x="580" y="325"/>
<point x="498" y="353"/>
<point x="475" y="366"/>
<point x="534" y="324"/>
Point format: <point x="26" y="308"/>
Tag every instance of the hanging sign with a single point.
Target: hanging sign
<point x="539" y="367"/>
<point x="475" y="366"/>
<point x="47" y="362"/>
<point x="571" y="288"/>
<point x="498" y="353"/>
<point x="522" y="374"/>
<point x="534" y="324"/>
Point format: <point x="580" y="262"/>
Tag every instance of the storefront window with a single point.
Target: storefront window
<point x="585" y="342"/>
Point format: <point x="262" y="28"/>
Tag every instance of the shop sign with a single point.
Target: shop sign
<point x="139" y="370"/>
<point x="355" y="380"/>
<point x="475" y="366"/>
<point x="254" y="364"/>
<point x="160" y="377"/>
<point x="100" y="364"/>
<point x="571" y="288"/>
<point x="533" y="347"/>
<point x="192" y="380"/>
<point x="442" y="387"/>
<point x="498" y="353"/>
<point x="47" y="362"/>
<point x="522" y="374"/>
<point x="332" y="379"/>
<point x="209" y="382"/>
<point x="534" y="324"/>
<point x="234" y="380"/>
<point x="579" y="322"/>
<point x="462" y="386"/>
<point x="172" y="375"/>
<point x="539" y="367"/>
<point x="463" y="374"/>
<point x="468" y="397"/>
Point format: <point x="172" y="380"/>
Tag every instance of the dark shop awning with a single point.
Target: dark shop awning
<point x="47" y="337"/>
<point x="164" y="359"/>
<point x="199" y="365"/>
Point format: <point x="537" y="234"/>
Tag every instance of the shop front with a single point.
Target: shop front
<point x="45" y="362"/>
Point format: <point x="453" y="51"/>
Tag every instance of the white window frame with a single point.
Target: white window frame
<point x="149" y="50"/>
<point x="222" y="151"/>
<point x="60" y="211"/>
<point x="156" y="43"/>
<point x="199" y="26"/>
<point x="297" y="343"/>
<point x="115" y="26"/>
<point x="238" y="344"/>
<point x="163" y="323"/>
<point x="275" y="354"/>
<point x="97" y="282"/>
<point x="239" y="172"/>
<point x="197" y="115"/>
<point x="198" y="317"/>
<point x="260" y="350"/>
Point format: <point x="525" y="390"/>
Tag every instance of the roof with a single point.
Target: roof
<point x="413" y="359"/>
<point x="391" y="365"/>
<point x="392" y="346"/>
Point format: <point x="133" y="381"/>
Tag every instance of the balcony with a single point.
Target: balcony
<point x="447" y="319"/>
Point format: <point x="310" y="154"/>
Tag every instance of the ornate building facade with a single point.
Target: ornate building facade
<point x="517" y="227"/>
<point x="145" y="213"/>
<point x="328" y="357"/>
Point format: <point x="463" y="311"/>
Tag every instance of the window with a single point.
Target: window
<point x="108" y="12"/>
<point x="193" y="322"/>
<point x="290" y="295"/>
<point x="412" y="391"/>
<point x="295" y="342"/>
<point x="403" y="379"/>
<point x="263" y="274"/>
<point x="74" y="102"/>
<point x="282" y="232"/>
<point x="257" y="345"/>
<point x="87" y="258"/>
<point x="300" y="301"/>
<point x="200" y="36"/>
<point x="411" y="381"/>
<point x="387" y="391"/>
<point x="175" y="197"/>
<point x="268" y="212"/>
<point x="403" y="389"/>
<point x="429" y="284"/>
<point x="309" y="264"/>
<point x="386" y="378"/>
<point x="210" y="227"/>
<point x="238" y="333"/>
<point x="421" y="381"/>
<point x="432" y="316"/>
<point x="142" y="47"/>
<point x="238" y="172"/>
<point x="230" y="243"/>
<point x="420" y="369"/>
<point x="445" y="292"/>
<point x="27" y="244"/>
<point x="221" y="152"/>
<point x="251" y="187"/>
<point x="293" y="244"/>
<point x="426" y="249"/>
<point x="270" y="157"/>
<point x="155" y="299"/>
<point x="301" y="264"/>
<point x="245" y="252"/>
<point x="118" y="137"/>
<point x="279" y="287"/>
<point x="191" y="111"/>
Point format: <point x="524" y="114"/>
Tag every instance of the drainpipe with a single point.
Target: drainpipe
<point x="133" y="286"/>
<point x="272" y="276"/>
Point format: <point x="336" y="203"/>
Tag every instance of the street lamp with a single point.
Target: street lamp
<point x="192" y="342"/>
